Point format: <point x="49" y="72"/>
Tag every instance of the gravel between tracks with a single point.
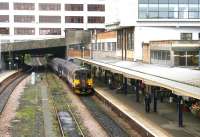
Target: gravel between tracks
<point x="10" y="109"/>
<point x="112" y="128"/>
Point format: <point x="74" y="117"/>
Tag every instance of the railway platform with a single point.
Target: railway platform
<point x="162" y="123"/>
<point x="4" y="75"/>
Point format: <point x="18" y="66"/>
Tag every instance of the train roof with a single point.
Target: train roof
<point x="70" y="66"/>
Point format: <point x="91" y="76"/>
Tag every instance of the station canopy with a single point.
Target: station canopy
<point x="181" y="81"/>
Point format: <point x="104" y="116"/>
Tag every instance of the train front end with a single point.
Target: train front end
<point x="83" y="82"/>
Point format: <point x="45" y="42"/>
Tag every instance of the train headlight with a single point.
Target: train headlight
<point x="76" y="82"/>
<point x="90" y="82"/>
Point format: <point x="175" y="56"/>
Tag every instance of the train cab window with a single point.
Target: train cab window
<point x="88" y="75"/>
<point x="76" y="76"/>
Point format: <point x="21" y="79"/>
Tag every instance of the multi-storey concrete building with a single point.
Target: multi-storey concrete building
<point x="153" y="20"/>
<point x="25" y="20"/>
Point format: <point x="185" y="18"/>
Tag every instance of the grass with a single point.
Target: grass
<point x="28" y="117"/>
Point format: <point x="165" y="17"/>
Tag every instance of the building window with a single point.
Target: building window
<point x="4" y="6"/>
<point x="49" y="19"/>
<point x="130" y="44"/>
<point x="96" y="7"/>
<point x="113" y="46"/>
<point x="4" y="18"/>
<point x="168" y="9"/>
<point x="186" y="58"/>
<point x="103" y="46"/>
<point x="24" y="18"/>
<point x="4" y="31"/>
<point x="73" y="7"/>
<point x="160" y="54"/>
<point x="109" y="44"/>
<point x="95" y="19"/>
<point x="50" y="31"/>
<point x="24" y="31"/>
<point x="73" y="19"/>
<point x="49" y="6"/>
<point x="119" y="40"/>
<point x="24" y="6"/>
<point x="186" y="36"/>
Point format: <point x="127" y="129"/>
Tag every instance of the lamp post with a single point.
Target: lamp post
<point x="0" y="57"/>
<point x="83" y="48"/>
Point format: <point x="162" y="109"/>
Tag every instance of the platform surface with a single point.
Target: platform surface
<point x="164" y="123"/>
<point x="6" y="74"/>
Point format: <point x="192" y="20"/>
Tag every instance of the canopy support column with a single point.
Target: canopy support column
<point x="180" y="112"/>
<point x="137" y="91"/>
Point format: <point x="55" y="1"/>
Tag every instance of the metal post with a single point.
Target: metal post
<point x="105" y="77"/>
<point x="154" y="100"/>
<point x="0" y="57"/>
<point x="137" y="92"/>
<point x="180" y="112"/>
<point x="199" y="58"/>
<point x="125" y="85"/>
<point x="67" y="54"/>
<point x="83" y="50"/>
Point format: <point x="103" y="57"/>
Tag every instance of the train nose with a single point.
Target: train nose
<point x="83" y="83"/>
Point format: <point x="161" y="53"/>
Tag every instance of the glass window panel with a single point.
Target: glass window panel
<point x="4" y="18"/>
<point x="4" y="6"/>
<point x="173" y="7"/>
<point x="50" y="31"/>
<point x="96" y="7"/>
<point x="143" y="1"/>
<point x="163" y="1"/>
<point x="193" y="15"/>
<point x="73" y="7"/>
<point x="153" y="1"/>
<point x="143" y="7"/>
<point x="193" y="7"/>
<point x="183" y="15"/>
<point x="164" y="55"/>
<point x="153" y="7"/>
<point x="173" y="15"/>
<point x="163" y="7"/>
<point x="4" y="31"/>
<point x="192" y="58"/>
<point x="143" y="15"/>
<point x="186" y="36"/>
<point x="163" y="15"/>
<point x="153" y="15"/>
<point x="173" y="1"/>
<point x="168" y="55"/>
<point x="193" y="1"/>
<point x="183" y="7"/>
<point x="180" y="58"/>
<point x="183" y="1"/>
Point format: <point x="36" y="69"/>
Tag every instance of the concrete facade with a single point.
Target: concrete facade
<point x="36" y="12"/>
<point x="150" y="29"/>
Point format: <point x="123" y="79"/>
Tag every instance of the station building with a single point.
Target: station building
<point x="104" y="45"/>
<point x="28" y="20"/>
<point x="172" y="53"/>
<point x="154" y="20"/>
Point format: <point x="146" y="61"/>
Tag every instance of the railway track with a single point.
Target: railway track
<point x="112" y="128"/>
<point x="109" y="125"/>
<point x="67" y="120"/>
<point x="9" y="85"/>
